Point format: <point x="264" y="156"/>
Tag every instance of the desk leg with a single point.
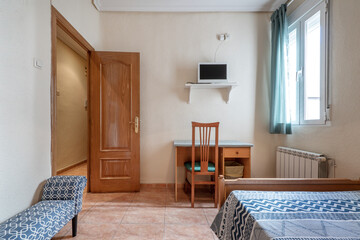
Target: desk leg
<point x="176" y="178"/>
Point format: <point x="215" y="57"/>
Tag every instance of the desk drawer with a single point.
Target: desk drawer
<point x="236" y="152"/>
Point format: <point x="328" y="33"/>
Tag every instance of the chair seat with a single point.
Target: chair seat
<point x="211" y="166"/>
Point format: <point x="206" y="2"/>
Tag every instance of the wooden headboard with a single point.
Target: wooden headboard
<point x="284" y="184"/>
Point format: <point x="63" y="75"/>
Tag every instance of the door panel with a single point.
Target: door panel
<point x="115" y="104"/>
<point x="115" y="168"/>
<point x="115" y="101"/>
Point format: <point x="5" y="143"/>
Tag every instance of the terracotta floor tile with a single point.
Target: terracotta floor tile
<point x="151" y="213"/>
<point x="185" y="219"/>
<point x="150" y="195"/>
<point x="107" y="214"/>
<point x="145" y="215"/>
<point x="123" y="197"/>
<point x="185" y="211"/>
<point x="190" y="232"/>
<point x="140" y="232"/>
<point x="92" y="231"/>
<point x="146" y="210"/>
<point x="210" y="214"/>
<point x="149" y="202"/>
<point x="87" y="205"/>
<point x="185" y="216"/>
<point x="144" y="218"/>
<point x="99" y="231"/>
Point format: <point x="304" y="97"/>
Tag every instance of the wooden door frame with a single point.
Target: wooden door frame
<point x="59" y="21"/>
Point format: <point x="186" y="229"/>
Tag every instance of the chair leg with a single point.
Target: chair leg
<point x="192" y="194"/>
<point x="216" y="193"/>
<point x="74" y="226"/>
<point x="186" y="186"/>
<point x="216" y="189"/>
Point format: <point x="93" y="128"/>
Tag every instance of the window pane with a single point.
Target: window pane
<point x="312" y="68"/>
<point x="292" y="99"/>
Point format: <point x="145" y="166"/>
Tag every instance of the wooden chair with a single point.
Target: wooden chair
<point x="204" y="167"/>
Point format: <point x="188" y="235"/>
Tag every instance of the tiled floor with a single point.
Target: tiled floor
<point x="151" y="213"/>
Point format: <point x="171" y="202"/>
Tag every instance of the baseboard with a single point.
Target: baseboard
<point x="157" y="185"/>
<point x="71" y="166"/>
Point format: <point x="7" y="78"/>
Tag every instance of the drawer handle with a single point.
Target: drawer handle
<point x="236" y="152"/>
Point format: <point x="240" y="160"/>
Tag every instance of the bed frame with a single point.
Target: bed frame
<point x="284" y="184"/>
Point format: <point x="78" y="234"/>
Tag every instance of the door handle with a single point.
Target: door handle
<point x="299" y="74"/>
<point x="136" y="123"/>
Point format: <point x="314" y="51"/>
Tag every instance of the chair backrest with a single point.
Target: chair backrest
<point x="204" y="147"/>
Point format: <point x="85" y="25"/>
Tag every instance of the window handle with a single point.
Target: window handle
<point x="299" y="74"/>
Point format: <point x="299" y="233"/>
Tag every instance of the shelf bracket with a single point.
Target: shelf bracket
<point x="229" y="93"/>
<point x="189" y="101"/>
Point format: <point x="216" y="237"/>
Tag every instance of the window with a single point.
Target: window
<point x="307" y="68"/>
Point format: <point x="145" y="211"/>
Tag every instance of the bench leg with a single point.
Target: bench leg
<point x="74" y="226"/>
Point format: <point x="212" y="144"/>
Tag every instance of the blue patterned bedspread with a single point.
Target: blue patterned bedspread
<point x="250" y="215"/>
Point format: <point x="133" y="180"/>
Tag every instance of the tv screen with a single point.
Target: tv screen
<point x="212" y="72"/>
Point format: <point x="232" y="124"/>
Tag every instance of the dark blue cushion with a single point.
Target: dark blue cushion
<point x="41" y="221"/>
<point x="211" y="166"/>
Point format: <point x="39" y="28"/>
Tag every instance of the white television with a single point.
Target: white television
<point x="212" y="73"/>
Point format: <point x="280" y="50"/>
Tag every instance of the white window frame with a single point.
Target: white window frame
<point x="297" y="21"/>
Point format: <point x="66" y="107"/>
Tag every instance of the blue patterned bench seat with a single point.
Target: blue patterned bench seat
<point x="61" y="201"/>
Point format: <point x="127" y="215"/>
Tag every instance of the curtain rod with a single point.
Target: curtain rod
<point x="289" y="2"/>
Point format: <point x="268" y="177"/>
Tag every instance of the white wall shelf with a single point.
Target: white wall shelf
<point x="229" y="86"/>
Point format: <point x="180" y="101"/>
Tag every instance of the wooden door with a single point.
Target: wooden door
<point x="115" y="116"/>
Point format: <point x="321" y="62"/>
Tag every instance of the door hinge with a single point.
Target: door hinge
<point x="326" y="6"/>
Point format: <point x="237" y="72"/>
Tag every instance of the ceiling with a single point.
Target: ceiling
<point x="188" y="5"/>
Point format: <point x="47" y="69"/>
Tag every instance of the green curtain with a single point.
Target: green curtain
<point x="280" y="122"/>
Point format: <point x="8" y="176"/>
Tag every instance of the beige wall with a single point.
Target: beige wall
<point x="24" y="103"/>
<point x="171" y="45"/>
<point x="71" y="122"/>
<point x="340" y="140"/>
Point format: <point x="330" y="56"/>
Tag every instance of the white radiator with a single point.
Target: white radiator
<point x="294" y="163"/>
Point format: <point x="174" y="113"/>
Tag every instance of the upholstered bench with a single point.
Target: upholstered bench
<point x="61" y="201"/>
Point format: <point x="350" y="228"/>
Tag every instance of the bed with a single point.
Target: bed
<point x="294" y="209"/>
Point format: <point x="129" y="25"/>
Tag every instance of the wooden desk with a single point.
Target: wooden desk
<point x="228" y="150"/>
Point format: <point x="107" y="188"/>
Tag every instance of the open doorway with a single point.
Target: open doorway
<point x="72" y="142"/>
<point x="70" y="97"/>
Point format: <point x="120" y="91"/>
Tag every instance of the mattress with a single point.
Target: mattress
<point x="251" y="215"/>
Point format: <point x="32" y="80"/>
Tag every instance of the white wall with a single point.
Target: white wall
<point x="84" y="17"/>
<point x="24" y="103"/>
<point x="171" y="45"/>
<point x="25" y="134"/>
<point x="340" y="140"/>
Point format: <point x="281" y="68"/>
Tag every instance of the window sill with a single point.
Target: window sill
<point x="327" y="124"/>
